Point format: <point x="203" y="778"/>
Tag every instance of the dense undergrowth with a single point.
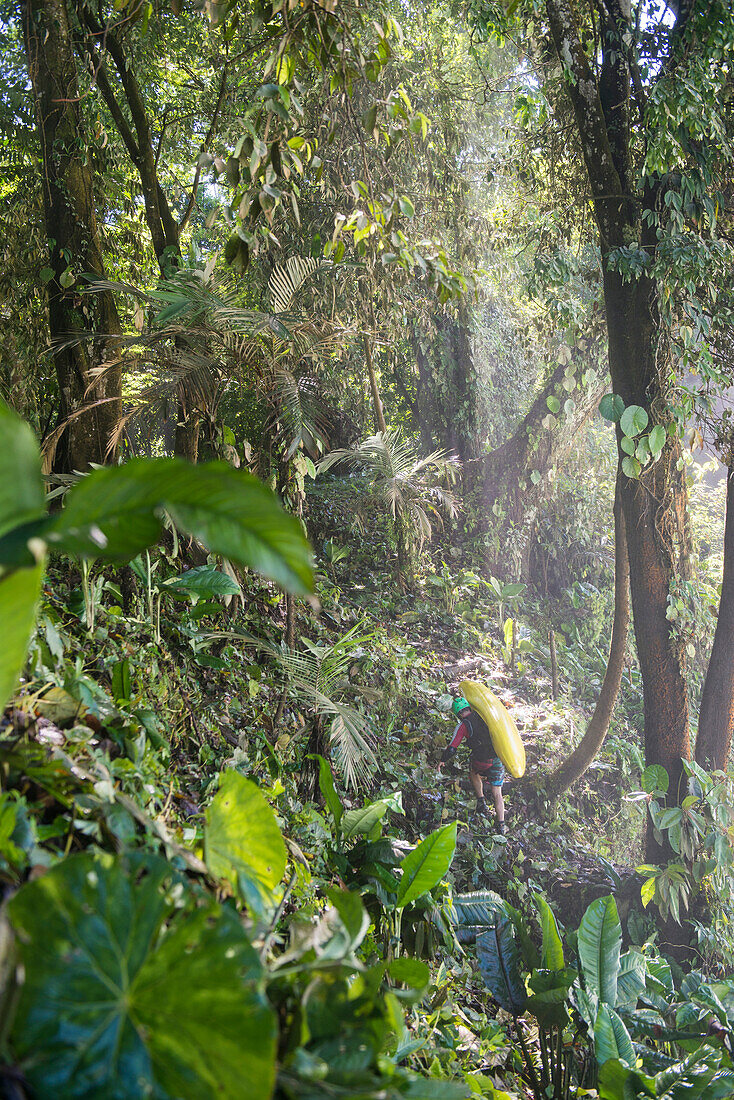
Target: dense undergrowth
<point x="198" y="903"/>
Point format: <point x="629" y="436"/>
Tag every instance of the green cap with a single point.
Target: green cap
<point x="459" y="704"/>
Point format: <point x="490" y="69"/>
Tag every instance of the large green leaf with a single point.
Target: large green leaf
<point x="552" y="947"/>
<point x="22" y="502"/>
<point x="611" y="1038"/>
<point x="618" y="1082"/>
<point x="360" y="822"/>
<point x="204" y="581"/>
<point x="242" y="841"/>
<point x="327" y="788"/>
<point x="18" y="595"/>
<point x="630" y="980"/>
<point x="549" y="996"/>
<point x="473" y="913"/>
<point x="599" y="944"/>
<point x="131" y="990"/>
<point x="499" y="962"/>
<point x="425" y="866"/>
<point x="21" y="488"/>
<point x="115" y="513"/>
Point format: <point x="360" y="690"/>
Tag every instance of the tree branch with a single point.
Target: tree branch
<point x="204" y="146"/>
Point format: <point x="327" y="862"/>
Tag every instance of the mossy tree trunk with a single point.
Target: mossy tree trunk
<point x="654" y="503"/>
<point x="74" y="246"/>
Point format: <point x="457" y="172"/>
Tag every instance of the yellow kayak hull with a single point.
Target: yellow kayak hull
<point x="503" y="731"/>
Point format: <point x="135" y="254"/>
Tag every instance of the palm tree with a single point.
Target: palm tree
<point x="407" y="485"/>
<point x="201" y="342"/>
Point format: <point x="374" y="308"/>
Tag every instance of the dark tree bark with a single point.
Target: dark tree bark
<point x="716" y="717"/>
<point x="654" y="504"/>
<point x="576" y="764"/>
<point x="71" y="227"/>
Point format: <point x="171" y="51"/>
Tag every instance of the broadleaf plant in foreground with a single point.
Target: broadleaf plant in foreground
<point x="116" y="512"/>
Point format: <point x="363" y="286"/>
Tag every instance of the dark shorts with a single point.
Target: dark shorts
<point x="492" y="770"/>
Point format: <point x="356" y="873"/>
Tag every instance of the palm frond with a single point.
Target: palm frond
<point x="287" y="279"/>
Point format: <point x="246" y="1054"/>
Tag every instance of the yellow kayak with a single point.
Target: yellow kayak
<point x="505" y="738"/>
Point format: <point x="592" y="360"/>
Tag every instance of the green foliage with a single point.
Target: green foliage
<point x="599" y="943"/>
<point x="426" y="865"/>
<point x="242" y="841"/>
<point x="130" y="982"/>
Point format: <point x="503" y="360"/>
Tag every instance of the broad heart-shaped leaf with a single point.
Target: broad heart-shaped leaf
<point x="116" y="512"/>
<point x="425" y="866"/>
<point x="655" y="778"/>
<point x="633" y="420"/>
<point x="18" y="595"/>
<point x="327" y="788"/>
<point x="204" y="581"/>
<point x="599" y="944"/>
<point x="360" y="822"/>
<point x="611" y="407"/>
<point x="552" y="947"/>
<point x="611" y="1038"/>
<point x="131" y="990"/>
<point x="499" y="962"/>
<point x="242" y="841"/>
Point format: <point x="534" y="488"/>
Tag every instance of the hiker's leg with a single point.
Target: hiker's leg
<point x="477" y="783"/>
<point x="496" y="778"/>
<point x="499" y="803"/>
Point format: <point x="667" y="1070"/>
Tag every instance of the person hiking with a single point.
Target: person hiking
<point x="484" y="763"/>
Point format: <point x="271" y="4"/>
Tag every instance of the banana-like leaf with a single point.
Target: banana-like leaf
<point x="552" y="948"/>
<point x="611" y="1038"/>
<point x="475" y="912"/>
<point x="499" y="962"/>
<point x="425" y="866"/>
<point x="599" y="945"/>
<point x="548" y="1001"/>
<point x="630" y="980"/>
<point x="618" y="1082"/>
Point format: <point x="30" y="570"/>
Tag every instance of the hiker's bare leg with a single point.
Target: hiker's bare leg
<point x="476" y="782"/>
<point x="499" y="803"/>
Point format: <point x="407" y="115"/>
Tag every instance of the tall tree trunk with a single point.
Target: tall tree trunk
<point x="165" y="230"/>
<point x="576" y="764"/>
<point x="71" y="227"/>
<point x="655" y="513"/>
<point x="654" y="503"/>
<point x="716" y="718"/>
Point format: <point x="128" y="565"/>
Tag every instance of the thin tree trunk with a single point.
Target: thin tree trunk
<point x="716" y="718"/>
<point x="380" y="425"/>
<point x="553" y="662"/>
<point x="576" y="764"/>
<point x="71" y="227"/>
